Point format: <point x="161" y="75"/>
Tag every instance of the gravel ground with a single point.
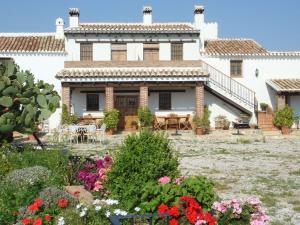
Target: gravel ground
<point x="254" y="164"/>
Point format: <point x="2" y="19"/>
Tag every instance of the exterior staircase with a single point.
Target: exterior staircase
<point x="230" y="90"/>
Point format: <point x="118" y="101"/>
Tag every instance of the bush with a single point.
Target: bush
<point x="51" y="195"/>
<point x="203" y="121"/>
<point x="140" y="159"/>
<point x="263" y="106"/>
<point x="67" y="118"/>
<point x="145" y="117"/>
<point x="111" y="118"/>
<point x="198" y="187"/>
<point x="28" y="176"/>
<point x="54" y="160"/>
<point x="284" y="117"/>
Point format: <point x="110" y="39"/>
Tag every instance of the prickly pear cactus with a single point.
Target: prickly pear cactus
<point x="23" y="102"/>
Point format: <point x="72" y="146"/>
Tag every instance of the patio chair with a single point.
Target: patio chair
<point x="63" y="133"/>
<point x="101" y="132"/>
<point x="173" y="122"/>
<point x="73" y="135"/>
<point x="158" y="125"/>
<point x="91" y="133"/>
<point x="186" y="124"/>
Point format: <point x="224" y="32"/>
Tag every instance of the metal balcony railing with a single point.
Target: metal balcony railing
<point x="230" y="86"/>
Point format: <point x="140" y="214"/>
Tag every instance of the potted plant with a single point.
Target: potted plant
<point x="264" y="106"/>
<point x="284" y="118"/>
<point x="111" y="119"/>
<point x="145" y="117"/>
<point x="202" y="124"/>
<point x="221" y="122"/>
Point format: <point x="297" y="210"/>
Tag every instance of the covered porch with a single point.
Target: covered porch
<point x="165" y="91"/>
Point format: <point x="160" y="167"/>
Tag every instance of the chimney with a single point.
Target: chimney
<point x="74" y="17"/>
<point x="59" y="34"/>
<point x="199" y="16"/>
<point x="147" y="15"/>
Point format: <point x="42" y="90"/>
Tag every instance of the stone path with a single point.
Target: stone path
<point x="261" y="164"/>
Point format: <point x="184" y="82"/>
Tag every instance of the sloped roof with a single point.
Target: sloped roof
<point x="234" y="47"/>
<point x="132" y="28"/>
<point x="285" y="85"/>
<point x="31" y="44"/>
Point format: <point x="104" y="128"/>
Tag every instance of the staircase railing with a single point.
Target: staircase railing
<point x="230" y="86"/>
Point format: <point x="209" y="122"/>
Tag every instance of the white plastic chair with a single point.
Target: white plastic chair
<point x="91" y="133"/>
<point x="101" y="132"/>
<point x="73" y="135"/>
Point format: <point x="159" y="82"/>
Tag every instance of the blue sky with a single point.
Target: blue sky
<point x="273" y="23"/>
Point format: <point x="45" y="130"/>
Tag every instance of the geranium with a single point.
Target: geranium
<point x="174" y="212"/>
<point x="37" y="221"/>
<point x="164" y="180"/>
<point x="35" y="206"/>
<point x="48" y="218"/>
<point x="26" y="221"/>
<point x="173" y="222"/>
<point x="63" y="203"/>
<point x="163" y="209"/>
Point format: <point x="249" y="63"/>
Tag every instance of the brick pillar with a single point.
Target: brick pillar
<point x="199" y="95"/>
<point x="281" y="101"/>
<point x="144" y="96"/>
<point x="109" y="98"/>
<point x="66" y="97"/>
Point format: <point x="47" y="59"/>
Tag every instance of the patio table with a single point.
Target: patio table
<point x="168" y="118"/>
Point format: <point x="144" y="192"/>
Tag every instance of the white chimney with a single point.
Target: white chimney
<point x="199" y="17"/>
<point x="147" y="15"/>
<point x="74" y="17"/>
<point x="59" y="34"/>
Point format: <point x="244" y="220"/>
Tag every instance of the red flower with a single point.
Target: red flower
<point x="173" y="222"/>
<point x="191" y="215"/>
<point x="209" y="218"/>
<point x="63" y="203"/>
<point x="37" y="221"/>
<point x="163" y="209"/>
<point x="174" y="212"/>
<point x="38" y="202"/>
<point x="33" y="208"/>
<point x="48" y="218"/>
<point x="26" y="221"/>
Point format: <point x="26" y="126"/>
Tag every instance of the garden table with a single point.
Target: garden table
<point x="167" y="120"/>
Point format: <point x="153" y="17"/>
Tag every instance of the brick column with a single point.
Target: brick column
<point x="109" y="98"/>
<point x="66" y="97"/>
<point x="144" y="96"/>
<point x="199" y="95"/>
<point x="281" y="101"/>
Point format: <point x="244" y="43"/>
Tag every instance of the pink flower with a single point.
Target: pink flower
<point x="179" y="180"/>
<point x="219" y="206"/>
<point x="98" y="186"/>
<point x="200" y="222"/>
<point x="164" y="180"/>
<point x="254" y="201"/>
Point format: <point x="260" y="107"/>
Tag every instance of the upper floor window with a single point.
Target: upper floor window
<point x="236" y="68"/>
<point x="118" y="52"/>
<point x="151" y="52"/>
<point x="164" y="101"/>
<point x="86" y="51"/>
<point x="176" y="51"/>
<point x="92" y="102"/>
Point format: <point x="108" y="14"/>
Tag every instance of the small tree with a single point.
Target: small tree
<point x="24" y="103"/>
<point x="111" y="118"/>
<point x="145" y="117"/>
<point x="66" y="117"/>
<point x="203" y="121"/>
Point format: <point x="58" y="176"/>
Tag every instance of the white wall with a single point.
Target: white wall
<point x="78" y="103"/>
<point x="73" y="50"/>
<point x="135" y="51"/>
<point x="191" y="51"/>
<point x="101" y="52"/>
<point x="270" y="67"/>
<point x="44" y="66"/>
<point x="295" y="104"/>
<point x="165" y="51"/>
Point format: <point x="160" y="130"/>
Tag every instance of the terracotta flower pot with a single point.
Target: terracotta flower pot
<point x="285" y="130"/>
<point x="199" y="131"/>
<point x="110" y="131"/>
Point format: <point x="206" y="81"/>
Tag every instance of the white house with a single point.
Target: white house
<point x="170" y="67"/>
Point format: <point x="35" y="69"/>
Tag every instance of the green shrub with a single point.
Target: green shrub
<point x="111" y="118"/>
<point x="66" y="117"/>
<point x="145" y="117"/>
<point x="264" y="106"/>
<point x="54" y="160"/>
<point x="203" y="121"/>
<point x="141" y="158"/>
<point x="284" y="117"/>
<point x="198" y="187"/>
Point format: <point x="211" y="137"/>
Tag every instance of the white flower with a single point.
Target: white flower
<point x="82" y="213"/>
<point x="111" y="202"/>
<point x="96" y="202"/>
<point x="97" y="208"/>
<point x="123" y="213"/>
<point x="61" y="221"/>
<point x="107" y="214"/>
<point x="78" y="206"/>
<point x="137" y="209"/>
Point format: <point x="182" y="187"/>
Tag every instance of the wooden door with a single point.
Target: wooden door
<point x="127" y="105"/>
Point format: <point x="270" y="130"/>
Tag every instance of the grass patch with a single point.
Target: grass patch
<point x="244" y="141"/>
<point x="295" y="172"/>
<point x="222" y="151"/>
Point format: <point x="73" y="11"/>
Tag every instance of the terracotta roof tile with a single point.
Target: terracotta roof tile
<point x="285" y="85"/>
<point x="133" y="28"/>
<point x="233" y="47"/>
<point x="31" y="44"/>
